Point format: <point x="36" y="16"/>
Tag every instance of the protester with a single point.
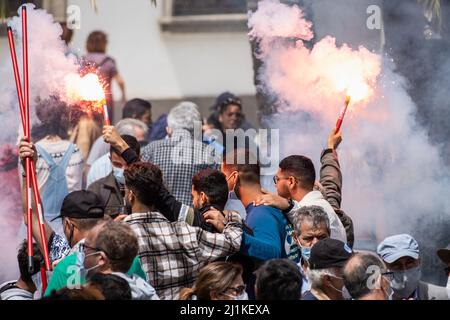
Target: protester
<point x="444" y="255"/>
<point x="112" y="248"/>
<point x="113" y="257"/>
<point x="227" y="113"/>
<point x="105" y="65"/>
<point x="328" y="257"/>
<point x="267" y="223"/>
<point x="181" y="156"/>
<point x="172" y="253"/>
<point x="311" y="225"/>
<point x="111" y="189"/>
<point x="366" y="277"/>
<point x="111" y="286"/>
<point x="209" y="189"/>
<point x="217" y="281"/>
<point x="159" y="128"/>
<point x="278" y="279"/>
<point x="101" y="167"/>
<point x="267" y="236"/>
<point x="402" y="257"/>
<point x="295" y="180"/>
<point x="23" y="288"/>
<point x="59" y="163"/>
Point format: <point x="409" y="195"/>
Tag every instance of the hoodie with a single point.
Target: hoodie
<point x="140" y="289"/>
<point x="14" y="293"/>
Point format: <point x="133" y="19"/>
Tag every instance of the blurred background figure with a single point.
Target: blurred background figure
<point x="217" y="281"/>
<point x="96" y="56"/>
<point x="59" y="163"/>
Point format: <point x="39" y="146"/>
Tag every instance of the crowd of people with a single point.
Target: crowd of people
<point x="148" y="210"/>
<point x="152" y="215"/>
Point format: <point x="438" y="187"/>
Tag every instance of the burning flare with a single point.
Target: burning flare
<point x="87" y="88"/>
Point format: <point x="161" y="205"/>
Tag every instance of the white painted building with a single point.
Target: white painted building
<point x="165" y="58"/>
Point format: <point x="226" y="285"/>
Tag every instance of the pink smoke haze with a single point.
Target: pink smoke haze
<point x="392" y="174"/>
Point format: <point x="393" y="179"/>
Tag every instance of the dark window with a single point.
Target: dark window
<point x="206" y="7"/>
<point x="8" y="8"/>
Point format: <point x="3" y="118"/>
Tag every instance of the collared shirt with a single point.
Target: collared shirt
<point x="172" y="253"/>
<point x="315" y="198"/>
<point x="306" y="285"/>
<point x="180" y="157"/>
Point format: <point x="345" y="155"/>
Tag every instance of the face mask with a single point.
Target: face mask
<point x="342" y="291"/>
<point x="405" y="282"/>
<point x="242" y="296"/>
<point x="306" y="253"/>
<point x="118" y="175"/>
<point x="345" y="294"/>
<point x="80" y="264"/>
<point x="448" y="287"/>
<point x="389" y="293"/>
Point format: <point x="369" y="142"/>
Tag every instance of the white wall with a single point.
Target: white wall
<point x="164" y="66"/>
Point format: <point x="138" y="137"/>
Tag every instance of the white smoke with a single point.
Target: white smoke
<point x="48" y="67"/>
<point x="393" y="176"/>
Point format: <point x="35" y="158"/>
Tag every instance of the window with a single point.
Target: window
<point x="199" y="7"/>
<point x="204" y="15"/>
<point x="8" y="9"/>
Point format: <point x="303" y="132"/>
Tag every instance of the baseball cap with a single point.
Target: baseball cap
<point x="82" y="205"/>
<point x="329" y="253"/>
<point x="444" y="254"/>
<point x="398" y="246"/>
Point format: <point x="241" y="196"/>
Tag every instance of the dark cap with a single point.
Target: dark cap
<point x="444" y="254"/>
<point x="329" y="253"/>
<point x="82" y="205"/>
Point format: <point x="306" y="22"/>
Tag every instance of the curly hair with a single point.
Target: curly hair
<point x="53" y="115"/>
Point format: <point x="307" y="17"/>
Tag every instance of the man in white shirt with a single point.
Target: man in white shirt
<point x="294" y="181"/>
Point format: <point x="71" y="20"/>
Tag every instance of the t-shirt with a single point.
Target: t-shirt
<point x="269" y="233"/>
<point x="66" y="274"/>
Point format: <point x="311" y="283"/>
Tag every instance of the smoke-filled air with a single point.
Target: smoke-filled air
<point x="49" y="68"/>
<point x="393" y="175"/>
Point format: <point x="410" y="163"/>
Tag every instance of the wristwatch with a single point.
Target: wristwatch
<point x="291" y="205"/>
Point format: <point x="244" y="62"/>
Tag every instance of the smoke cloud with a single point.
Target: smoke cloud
<point x="394" y="178"/>
<point x="48" y="68"/>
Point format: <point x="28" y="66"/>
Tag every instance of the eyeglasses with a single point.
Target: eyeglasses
<point x="84" y="246"/>
<point x="236" y="291"/>
<point x="276" y="179"/>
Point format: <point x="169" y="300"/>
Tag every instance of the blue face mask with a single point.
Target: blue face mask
<point x="80" y="264"/>
<point x="118" y="175"/>
<point x="306" y="253"/>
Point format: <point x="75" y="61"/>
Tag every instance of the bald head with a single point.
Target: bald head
<point x="361" y="273"/>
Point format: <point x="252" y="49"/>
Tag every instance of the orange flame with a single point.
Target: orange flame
<point x="87" y="88"/>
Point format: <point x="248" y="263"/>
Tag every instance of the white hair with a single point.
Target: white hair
<point x="128" y="126"/>
<point x="315" y="276"/>
<point x="184" y="116"/>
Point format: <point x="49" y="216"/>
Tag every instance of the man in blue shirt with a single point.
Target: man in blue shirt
<point x="269" y="238"/>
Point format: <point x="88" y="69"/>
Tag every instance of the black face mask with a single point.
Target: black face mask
<point x="70" y="238"/>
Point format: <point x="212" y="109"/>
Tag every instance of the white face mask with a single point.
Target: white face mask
<point x="448" y="287"/>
